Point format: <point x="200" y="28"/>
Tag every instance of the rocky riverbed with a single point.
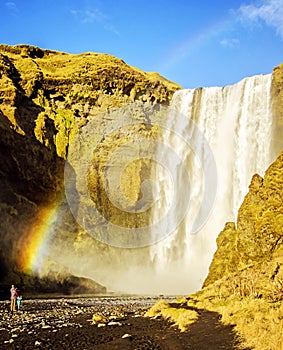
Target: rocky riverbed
<point x="68" y="323"/>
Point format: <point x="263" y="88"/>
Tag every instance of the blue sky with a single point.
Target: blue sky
<point x="192" y="42"/>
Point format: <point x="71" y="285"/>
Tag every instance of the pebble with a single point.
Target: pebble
<point x="113" y="323"/>
<point x="15" y="329"/>
<point x="41" y="314"/>
<point x="126" y="335"/>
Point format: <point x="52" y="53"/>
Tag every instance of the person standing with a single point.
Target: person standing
<point x="14" y="295"/>
<point x="19" y="299"/>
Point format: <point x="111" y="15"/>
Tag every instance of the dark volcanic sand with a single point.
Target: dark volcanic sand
<point x="67" y="324"/>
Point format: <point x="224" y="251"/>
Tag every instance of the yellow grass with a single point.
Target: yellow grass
<point x="99" y="318"/>
<point x="258" y="322"/>
<point x="180" y="316"/>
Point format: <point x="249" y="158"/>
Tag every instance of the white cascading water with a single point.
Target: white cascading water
<point x="236" y="121"/>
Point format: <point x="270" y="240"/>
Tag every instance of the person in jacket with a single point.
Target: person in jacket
<point x="14" y="296"/>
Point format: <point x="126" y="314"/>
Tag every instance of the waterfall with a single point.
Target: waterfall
<point x="210" y="143"/>
<point x="236" y="123"/>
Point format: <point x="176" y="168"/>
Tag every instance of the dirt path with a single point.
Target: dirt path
<point x="53" y="324"/>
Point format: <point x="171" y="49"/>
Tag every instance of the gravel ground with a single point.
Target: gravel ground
<point x="67" y="324"/>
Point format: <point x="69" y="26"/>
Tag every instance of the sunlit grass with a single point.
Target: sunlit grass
<point x="181" y="317"/>
<point x="257" y="321"/>
<point x="99" y="318"/>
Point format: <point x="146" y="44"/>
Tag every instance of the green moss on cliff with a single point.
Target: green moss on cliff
<point x="68" y="87"/>
<point x="258" y="234"/>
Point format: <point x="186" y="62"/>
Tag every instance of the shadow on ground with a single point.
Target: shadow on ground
<point x="208" y="332"/>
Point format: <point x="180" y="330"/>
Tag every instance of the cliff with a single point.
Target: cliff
<point x="46" y="97"/>
<point x="254" y="245"/>
<point x="277" y="98"/>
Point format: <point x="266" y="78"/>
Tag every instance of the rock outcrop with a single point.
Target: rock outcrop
<point x="254" y="245"/>
<point x="277" y="98"/>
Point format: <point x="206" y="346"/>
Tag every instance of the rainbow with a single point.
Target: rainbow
<point x="192" y="43"/>
<point x="33" y="246"/>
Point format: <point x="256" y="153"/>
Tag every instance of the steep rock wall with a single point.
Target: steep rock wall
<point x="45" y="98"/>
<point x="257" y="237"/>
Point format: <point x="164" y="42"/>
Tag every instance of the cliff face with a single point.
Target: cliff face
<point x="254" y="245"/>
<point x="277" y="98"/>
<point x="46" y="97"/>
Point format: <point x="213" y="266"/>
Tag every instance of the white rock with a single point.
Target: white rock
<point x="15" y="329"/>
<point x="126" y="336"/>
<point x="112" y="323"/>
<point x="36" y="343"/>
<point x="101" y="325"/>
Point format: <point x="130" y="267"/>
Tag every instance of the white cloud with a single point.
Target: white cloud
<point x="11" y="6"/>
<point x="89" y="16"/>
<point x="269" y="12"/>
<point x="230" y="43"/>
